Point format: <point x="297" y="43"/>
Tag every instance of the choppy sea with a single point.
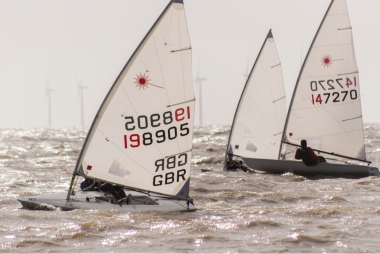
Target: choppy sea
<point x="237" y="212"/>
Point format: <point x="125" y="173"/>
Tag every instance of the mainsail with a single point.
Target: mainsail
<point x="325" y="108"/>
<point x="141" y="137"/>
<point x="257" y="127"/>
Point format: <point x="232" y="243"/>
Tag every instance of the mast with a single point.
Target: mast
<point x="78" y="167"/>
<point x="298" y="80"/>
<point x="269" y="35"/>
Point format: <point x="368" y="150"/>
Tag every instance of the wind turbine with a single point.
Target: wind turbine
<point x="80" y="94"/>
<point x="199" y="80"/>
<point x="48" y="92"/>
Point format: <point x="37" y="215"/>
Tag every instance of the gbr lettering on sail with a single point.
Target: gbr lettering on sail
<point x="158" y="128"/>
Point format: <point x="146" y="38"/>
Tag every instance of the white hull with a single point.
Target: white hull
<point x="299" y="168"/>
<point x="92" y="200"/>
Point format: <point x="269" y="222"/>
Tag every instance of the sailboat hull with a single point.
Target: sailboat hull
<point x="299" y="168"/>
<point x="92" y="200"/>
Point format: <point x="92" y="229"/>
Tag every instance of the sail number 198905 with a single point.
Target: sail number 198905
<point x="154" y="121"/>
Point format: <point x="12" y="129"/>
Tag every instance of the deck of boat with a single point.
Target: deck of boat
<point x="93" y="200"/>
<point x="299" y="168"/>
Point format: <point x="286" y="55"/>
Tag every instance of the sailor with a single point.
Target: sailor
<point x="230" y="164"/>
<point x="233" y="165"/>
<point x="95" y="185"/>
<point x="89" y="184"/>
<point x="307" y="155"/>
<point x="116" y="190"/>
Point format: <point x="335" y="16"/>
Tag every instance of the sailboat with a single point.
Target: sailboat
<point x="141" y="137"/>
<point x="260" y="115"/>
<point x="325" y="108"/>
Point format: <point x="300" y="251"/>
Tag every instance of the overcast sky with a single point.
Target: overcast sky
<point x="63" y="43"/>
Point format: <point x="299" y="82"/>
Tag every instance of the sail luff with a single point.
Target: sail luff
<point x="299" y="77"/>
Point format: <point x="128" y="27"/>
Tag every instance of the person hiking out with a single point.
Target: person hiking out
<point x="307" y="155"/>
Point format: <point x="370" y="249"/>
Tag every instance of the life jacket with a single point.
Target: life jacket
<point x="306" y="158"/>
<point x="87" y="185"/>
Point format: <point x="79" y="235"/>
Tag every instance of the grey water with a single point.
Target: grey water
<point x="237" y="212"/>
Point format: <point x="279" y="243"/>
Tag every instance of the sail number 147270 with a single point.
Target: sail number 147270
<point x="156" y="120"/>
<point x="333" y="96"/>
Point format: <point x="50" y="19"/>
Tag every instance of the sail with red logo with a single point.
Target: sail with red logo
<point x="326" y="109"/>
<point x="141" y="137"/>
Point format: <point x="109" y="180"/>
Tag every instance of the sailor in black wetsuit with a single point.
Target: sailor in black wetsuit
<point x="307" y="155"/>
<point x="94" y="185"/>
<point x="233" y="165"/>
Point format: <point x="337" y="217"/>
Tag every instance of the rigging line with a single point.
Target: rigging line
<point x="352" y="118"/>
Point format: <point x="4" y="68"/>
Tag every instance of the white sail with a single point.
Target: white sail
<point x="142" y="135"/>
<point x="325" y="108"/>
<point x="260" y="115"/>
